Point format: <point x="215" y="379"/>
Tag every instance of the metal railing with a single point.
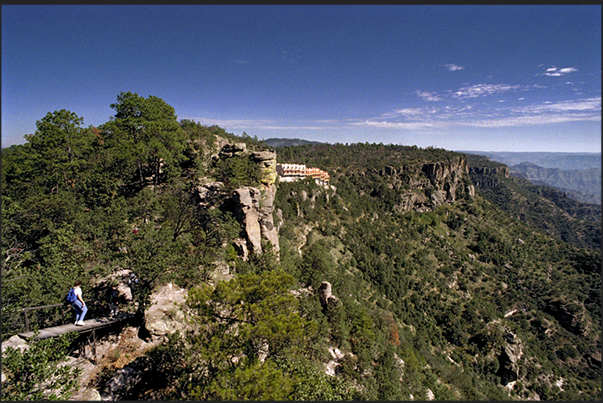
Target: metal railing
<point x="63" y="311"/>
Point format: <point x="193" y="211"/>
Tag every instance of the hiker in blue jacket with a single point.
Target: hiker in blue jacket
<point x="79" y="305"/>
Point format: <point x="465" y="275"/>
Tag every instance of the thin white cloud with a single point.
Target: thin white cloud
<point x="546" y="119"/>
<point x="556" y="72"/>
<point x="453" y="67"/>
<point x="428" y="96"/>
<point x="433" y="119"/>
<point x="548" y="112"/>
<point x="479" y="90"/>
<point x="400" y="125"/>
<point x="581" y="105"/>
<point x="241" y="61"/>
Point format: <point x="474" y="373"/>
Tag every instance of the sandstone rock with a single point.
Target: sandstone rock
<point x="205" y="193"/>
<point x="336" y="353"/>
<point x="509" y="358"/>
<point x="325" y="294"/>
<point x="221" y="272"/>
<point x="254" y="210"/>
<point x="15" y="342"/>
<point x="164" y="315"/>
<point x="437" y="198"/>
<point x="241" y="248"/>
<point x="86" y="394"/>
<point x="268" y="230"/>
<point x="230" y="150"/>
<point x="331" y="367"/>
<point x="260" y="156"/>
<point x="248" y="214"/>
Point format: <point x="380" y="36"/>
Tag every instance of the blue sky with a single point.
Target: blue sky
<point x="484" y="78"/>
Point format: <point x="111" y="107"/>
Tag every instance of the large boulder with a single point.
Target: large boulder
<point x="267" y="162"/>
<point x="165" y="315"/>
<point x="15" y="342"/>
<point x="325" y="293"/>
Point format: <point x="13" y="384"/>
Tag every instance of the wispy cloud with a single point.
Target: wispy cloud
<point x="581" y="105"/>
<point x="453" y="67"/>
<point x="241" y="61"/>
<point x="437" y="118"/>
<point x="469" y="116"/>
<point x="557" y="72"/>
<point x="474" y="91"/>
<point x="530" y="120"/>
<point x="479" y="90"/>
<point x="428" y="96"/>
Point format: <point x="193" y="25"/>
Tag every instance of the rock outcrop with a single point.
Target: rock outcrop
<point x="229" y="150"/>
<point x="325" y="294"/>
<point x="571" y="315"/>
<point x="427" y="186"/>
<point x="165" y="315"/>
<point x="15" y="342"/>
<point x="254" y="208"/>
<point x="509" y="358"/>
<point x="206" y="192"/>
<point x="267" y="162"/>
<point x="503" y="170"/>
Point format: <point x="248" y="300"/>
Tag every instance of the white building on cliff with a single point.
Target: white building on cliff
<point x="294" y="172"/>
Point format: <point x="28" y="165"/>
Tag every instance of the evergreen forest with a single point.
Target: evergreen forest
<point x="448" y="279"/>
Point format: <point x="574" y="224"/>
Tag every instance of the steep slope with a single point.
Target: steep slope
<point x="408" y="277"/>
<point x="540" y="206"/>
<point x="484" y="306"/>
<point x="584" y="184"/>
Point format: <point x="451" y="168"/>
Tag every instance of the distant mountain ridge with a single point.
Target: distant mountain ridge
<point x="559" y="160"/>
<point x="576" y="174"/>
<point x="281" y="142"/>
<point x="583" y="185"/>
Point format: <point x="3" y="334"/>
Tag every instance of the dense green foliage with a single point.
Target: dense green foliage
<point x="38" y="373"/>
<point x="425" y="302"/>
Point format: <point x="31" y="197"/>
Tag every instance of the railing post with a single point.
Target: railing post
<point x="94" y="344"/>
<point x="26" y="321"/>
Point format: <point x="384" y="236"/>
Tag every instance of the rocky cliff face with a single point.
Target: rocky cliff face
<point x="427" y="186"/>
<point x="252" y="206"/>
<point x="254" y="209"/>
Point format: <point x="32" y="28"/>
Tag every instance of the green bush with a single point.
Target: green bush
<point x="37" y="373"/>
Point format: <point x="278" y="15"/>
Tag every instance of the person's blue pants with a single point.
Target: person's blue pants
<point x="80" y="311"/>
